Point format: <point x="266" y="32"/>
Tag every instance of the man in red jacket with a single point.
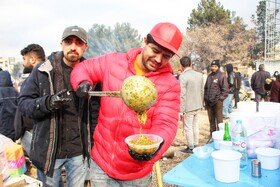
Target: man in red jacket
<point x="113" y="164"/>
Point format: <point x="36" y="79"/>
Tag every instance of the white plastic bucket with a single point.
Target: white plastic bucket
<point x="225" y="145"/>
<point x="221" y="126"/>
<point x="269" y="157"/>
<point x="226" y="165"/>
<point x="217" y="137"/>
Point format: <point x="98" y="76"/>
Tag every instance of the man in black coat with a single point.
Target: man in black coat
<point x="215" y="92"/>
<point x="258" y="82"/>
<point x="63" y="123"/>
<point x="8" y="105"/>
<point x="237" y="85"/>
<point x="32" y="55"/>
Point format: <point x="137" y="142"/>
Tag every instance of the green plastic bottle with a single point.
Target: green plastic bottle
<point x="227" y="136"/>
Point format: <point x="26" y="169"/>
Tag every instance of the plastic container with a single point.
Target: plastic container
<point x="269" y="157"/>
<point x="226" y="165"/>
<point x="140" y="149"/>
<point x="225" y="145"/>
<point x="203" y="152"/>
<point x="239" y="139"/>
<point x="217" y="137"/>
<point x="263" y="106"/>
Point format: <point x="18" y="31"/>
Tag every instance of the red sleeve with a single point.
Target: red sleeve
<point x="88" y="70"/>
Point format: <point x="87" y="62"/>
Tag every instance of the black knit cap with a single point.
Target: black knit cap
<point x="216" y="62"/>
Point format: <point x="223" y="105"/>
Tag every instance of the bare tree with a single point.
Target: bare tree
<point x="229" y="43"/>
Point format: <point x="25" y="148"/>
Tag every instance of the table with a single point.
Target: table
<point x="200" y="172"/>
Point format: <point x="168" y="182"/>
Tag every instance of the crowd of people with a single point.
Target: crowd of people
<point x="221" y="95"/>
<point x="85" y="135"/>
<point x="62" y="127"/>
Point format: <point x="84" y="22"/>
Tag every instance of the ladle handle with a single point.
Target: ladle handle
<point x="105" y="93"/>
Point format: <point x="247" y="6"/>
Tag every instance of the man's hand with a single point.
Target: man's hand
<point x="56" y="101"/>
<point x="83" y="89"/>
<point x="144" y="156"/>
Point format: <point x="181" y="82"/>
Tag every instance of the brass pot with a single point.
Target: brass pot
<point x="137" y="92"/>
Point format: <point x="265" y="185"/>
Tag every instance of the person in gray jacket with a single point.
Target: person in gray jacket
<point x="192" y="86"/>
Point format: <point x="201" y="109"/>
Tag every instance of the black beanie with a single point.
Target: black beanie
<point x="216" y="62"/>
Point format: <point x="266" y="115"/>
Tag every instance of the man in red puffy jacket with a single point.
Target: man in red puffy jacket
<point x="113" y="164"/>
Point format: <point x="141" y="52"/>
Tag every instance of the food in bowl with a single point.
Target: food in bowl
<point x="144" y="143"/>
<point x="203" y="152"/>
<point x="269" y="157"/>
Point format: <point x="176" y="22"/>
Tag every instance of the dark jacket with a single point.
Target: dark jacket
<point x="230" y="78"/>
<point x="32" y="104"/>
<point x="8" y="105"/>
<point x="275" y="91"/>
<point x="237" y="80"/>
<point x="21" y="123"/>
<point x="216" y="88"/>
<point x="258" y="81"/>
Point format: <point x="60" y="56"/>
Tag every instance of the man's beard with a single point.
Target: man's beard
<point x="27" y="70"/>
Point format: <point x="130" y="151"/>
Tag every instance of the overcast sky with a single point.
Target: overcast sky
<point x="23" y="22"/>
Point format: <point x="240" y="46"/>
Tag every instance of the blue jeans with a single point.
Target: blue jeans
<point x="42" y="177"/>
<point x="227" y="105"/>
<point x="76" y="170"/>
<point x="100" y="179"/>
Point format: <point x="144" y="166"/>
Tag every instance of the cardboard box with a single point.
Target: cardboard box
<point x="23" y="181"/>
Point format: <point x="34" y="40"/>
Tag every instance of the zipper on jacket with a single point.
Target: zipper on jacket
<point x="34" y="135"/>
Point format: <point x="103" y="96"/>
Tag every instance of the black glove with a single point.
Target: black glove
<point x="144" y="156"/>
<point x="56" y="101"/>
<point x="83" y="88"/>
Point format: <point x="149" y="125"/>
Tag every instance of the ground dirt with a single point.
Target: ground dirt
<point x="173" y="156"/>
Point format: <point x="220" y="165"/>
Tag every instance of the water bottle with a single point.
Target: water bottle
<point x="238" y="138"/>
<point x="226" y="133"/>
